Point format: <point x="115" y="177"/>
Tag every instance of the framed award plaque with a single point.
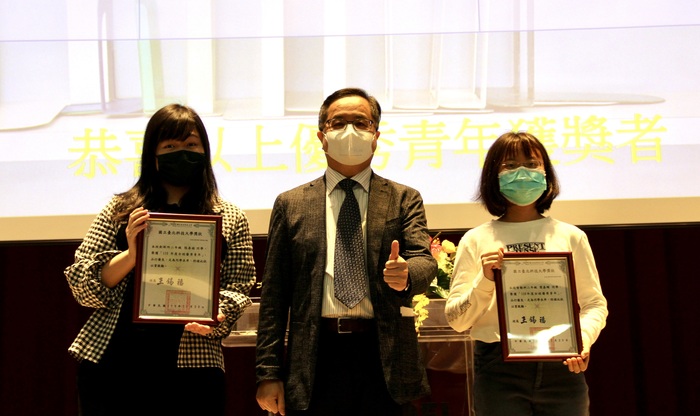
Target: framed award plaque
<point x="538" y="308"/>
<point x="178" y="269"/>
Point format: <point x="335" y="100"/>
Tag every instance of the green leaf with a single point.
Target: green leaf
<point x="439" y="292"/>
<point x="443" y="280"/>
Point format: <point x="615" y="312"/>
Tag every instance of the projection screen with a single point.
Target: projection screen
<point x="611" y="88"/>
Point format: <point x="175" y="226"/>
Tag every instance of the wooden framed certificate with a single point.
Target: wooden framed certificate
<point x="178" y="269"/>
<point x="538" y="308"/>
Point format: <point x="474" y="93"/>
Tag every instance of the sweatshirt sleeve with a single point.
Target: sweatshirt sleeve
<point x="593" y="305"/>
<point x="470" y="292"/>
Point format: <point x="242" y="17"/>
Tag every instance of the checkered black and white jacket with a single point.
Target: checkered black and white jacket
<point x="100" y="245"/>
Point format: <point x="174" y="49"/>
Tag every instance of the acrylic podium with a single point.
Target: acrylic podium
<point x="447" y="355"/>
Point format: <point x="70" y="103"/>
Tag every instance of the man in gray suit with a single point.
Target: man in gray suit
<point x="343" y="358"/>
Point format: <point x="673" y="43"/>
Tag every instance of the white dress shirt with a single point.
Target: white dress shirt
<point x="332" y="307"/>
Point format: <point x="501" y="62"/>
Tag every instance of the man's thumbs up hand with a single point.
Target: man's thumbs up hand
<point x="396" y="269"/>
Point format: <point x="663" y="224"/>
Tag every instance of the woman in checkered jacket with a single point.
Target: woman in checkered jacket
<point x="157" y="368"/>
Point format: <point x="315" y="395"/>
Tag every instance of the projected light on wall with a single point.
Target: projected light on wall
<point x="614" y="95"/>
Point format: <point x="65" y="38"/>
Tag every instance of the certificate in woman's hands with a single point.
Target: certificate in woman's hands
<point x="177" y="269"/>
<point x="538" y="308"/>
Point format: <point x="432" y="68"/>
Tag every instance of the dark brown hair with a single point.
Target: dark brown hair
<point x="177" y="122"/>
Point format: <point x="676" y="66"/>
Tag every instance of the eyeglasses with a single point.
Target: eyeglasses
<point x="530" y="164"/>
<point x="359" y="123"/>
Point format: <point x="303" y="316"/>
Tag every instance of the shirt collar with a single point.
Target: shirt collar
<point x="333" y="177"/>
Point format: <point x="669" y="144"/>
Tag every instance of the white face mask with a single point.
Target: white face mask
<point x="349" y="146"/>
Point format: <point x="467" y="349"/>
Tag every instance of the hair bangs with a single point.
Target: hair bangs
<point x="177" y="128"/>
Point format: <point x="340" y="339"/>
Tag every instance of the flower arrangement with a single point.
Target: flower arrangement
<point x="444" y="253"/>
<point x="419" y="304"/>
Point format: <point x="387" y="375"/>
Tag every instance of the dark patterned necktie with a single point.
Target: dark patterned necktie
<point x="349" y="269"/>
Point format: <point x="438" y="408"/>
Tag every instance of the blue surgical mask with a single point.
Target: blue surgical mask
<point x="522" y="186"/>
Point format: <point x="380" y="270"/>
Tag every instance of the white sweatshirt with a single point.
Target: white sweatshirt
<point x="471" y="303"/>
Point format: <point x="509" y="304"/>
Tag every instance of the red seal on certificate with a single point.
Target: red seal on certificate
<point x="177" y="302"/>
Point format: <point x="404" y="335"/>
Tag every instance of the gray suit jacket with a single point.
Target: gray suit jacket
<point x="293" y="284"/>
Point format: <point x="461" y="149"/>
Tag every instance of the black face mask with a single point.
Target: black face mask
<point x="181" y="168"/>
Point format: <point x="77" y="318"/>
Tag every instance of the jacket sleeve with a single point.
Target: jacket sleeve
<point x="274" y="299"/>
<point x="98" y="247"/>
<point x="237" y="270"/>
<point x="422" y="267"/>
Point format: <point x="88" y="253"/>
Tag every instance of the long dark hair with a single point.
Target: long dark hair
<point x="173" y="121"/>
<point x="505" y="147"/>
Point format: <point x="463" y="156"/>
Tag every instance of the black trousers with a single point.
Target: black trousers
<point x="349" y="378"/>
<point x="125" y="390"/>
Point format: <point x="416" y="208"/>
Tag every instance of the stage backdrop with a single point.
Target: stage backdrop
<point x="611" y="88"/>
